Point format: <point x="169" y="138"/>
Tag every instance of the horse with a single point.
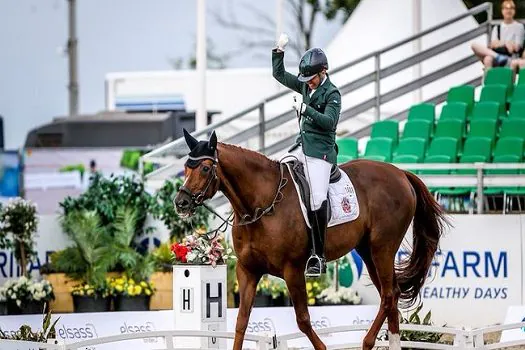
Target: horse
<point x="270" y="236"/>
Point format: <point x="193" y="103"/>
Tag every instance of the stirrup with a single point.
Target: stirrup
<point x="322" y="266"/>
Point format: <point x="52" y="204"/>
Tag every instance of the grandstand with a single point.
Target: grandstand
<point x="487" y="129"/>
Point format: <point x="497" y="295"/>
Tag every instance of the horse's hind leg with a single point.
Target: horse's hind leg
<point x="247" y="288"/>
<point x="383" y="256"/>
<point x="370" y="339"/>
<point x="296" y="284"/>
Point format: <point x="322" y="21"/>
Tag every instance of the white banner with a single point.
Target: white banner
<point x="476" y="274"/>
<point x="77" y="327"/>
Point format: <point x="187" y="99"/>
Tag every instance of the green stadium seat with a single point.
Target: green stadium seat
<point x="517" y="109"/>
<point x="450" y="128"/>
<point x="444" y="146"/>
<point x="341" y="159"/>
<point x="495" y="93"/>
<point x="347" y="147"/>
<point x="519" y="94"/>
<point x="386" y="128"/>
<point x="478" y="146"/>
<point x="417" y="128"/>
<point x="454" y="110"/>
<point x="500" y="75"/>
<point x="483" y="128"/>
<point x="405" y="158"/>
<point x="513" y="128"/>
<point x="379" y="148"/>
<point x="412" y="146"/>
<point x="462" y="93"/>
<point x="422" y="111"/>
<point x="509" y="146"/>
<point x="485" y="110"/>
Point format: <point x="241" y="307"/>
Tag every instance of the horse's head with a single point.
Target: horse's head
<point x="200" y="171"/>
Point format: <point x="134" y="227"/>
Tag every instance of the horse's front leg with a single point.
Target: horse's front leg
<point x="295" y="281"/>
<point x="247" y="287"/>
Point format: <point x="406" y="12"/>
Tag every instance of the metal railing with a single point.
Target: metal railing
<point x="177" y="148"/>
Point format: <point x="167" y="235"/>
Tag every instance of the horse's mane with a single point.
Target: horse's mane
<point x="250" y="154"/>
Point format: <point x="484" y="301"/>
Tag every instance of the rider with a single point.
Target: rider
<point x="319" y="113"/>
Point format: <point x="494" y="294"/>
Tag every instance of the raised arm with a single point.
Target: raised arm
<point x="279" y="72"/>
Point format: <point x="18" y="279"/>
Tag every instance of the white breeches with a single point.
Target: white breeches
<point x="317" y="173"/>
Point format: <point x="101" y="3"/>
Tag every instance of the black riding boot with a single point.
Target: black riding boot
<point x="316" y="265"/>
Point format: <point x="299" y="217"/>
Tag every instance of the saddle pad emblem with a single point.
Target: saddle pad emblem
<point x="345" y="205"/>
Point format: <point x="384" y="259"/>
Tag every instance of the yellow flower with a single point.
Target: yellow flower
<point x="131" y="281"/>
<point x="119" y="281"/>
<point x="143" y="284"/>
<point x="316" y="285"/>
<point x="81" y="292"/>
<point x="119" y="288"/>
<point x="130" y="290"/>
<point x="308" y="286"/>
<point x="311" y="301"/>
<point x="147" y="292"/>
<point x="90" y="292"/>
<point x="138" y="290"/>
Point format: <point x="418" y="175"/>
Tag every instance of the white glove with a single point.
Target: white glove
<point x="298" y="105"/>
<point x="283" y="40"/>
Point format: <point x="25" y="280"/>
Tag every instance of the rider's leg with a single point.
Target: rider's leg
<point x="318" y="176"/>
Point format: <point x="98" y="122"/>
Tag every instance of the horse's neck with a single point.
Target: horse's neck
<point x="248" y="179"/>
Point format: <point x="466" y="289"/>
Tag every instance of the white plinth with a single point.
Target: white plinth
<point x="199" y="303"/>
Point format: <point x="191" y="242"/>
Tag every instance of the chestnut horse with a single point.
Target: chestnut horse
<point x="270" y="235"/>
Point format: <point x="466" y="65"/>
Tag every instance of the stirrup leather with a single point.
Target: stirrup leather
<point x="321" y="266"/>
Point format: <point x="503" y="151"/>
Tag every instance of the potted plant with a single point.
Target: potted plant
<point x="26" y="296"/>
<point x="131" y="295"/>
<point x="18" y="229"/>
<point x="87" y="261"/>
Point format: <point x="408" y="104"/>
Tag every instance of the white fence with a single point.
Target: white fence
<point x="460" y="339"/>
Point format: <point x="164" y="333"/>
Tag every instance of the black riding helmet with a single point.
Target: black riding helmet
<point x="312" y="63"/>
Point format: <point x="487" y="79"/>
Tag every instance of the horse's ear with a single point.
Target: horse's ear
<point x="190" y="140"/>
<point x="213" y="141"/>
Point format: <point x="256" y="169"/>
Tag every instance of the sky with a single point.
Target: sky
<point x="116" y="35"/>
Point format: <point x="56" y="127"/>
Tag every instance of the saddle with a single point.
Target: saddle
<point x="297" y="172"/>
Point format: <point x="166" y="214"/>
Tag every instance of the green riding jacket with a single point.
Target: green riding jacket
<point x="319" y="120"/>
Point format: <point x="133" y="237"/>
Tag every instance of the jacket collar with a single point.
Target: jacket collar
<point x="320" y="89"/>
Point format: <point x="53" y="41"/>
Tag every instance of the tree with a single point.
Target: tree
<point x="304" y="14"/>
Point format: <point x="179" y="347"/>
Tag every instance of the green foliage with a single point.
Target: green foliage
<point x="91" y="257"/>
<point x="105" y="196"/>
<point x="25" y="333"/>
<point x="163" y="209"/>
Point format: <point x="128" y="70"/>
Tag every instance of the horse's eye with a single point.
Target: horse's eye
<point x="205" y="169"/>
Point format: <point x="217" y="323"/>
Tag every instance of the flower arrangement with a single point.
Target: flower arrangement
<point x="24" y="290"/>
<point x="128" y="287"/>
<point x="18" y="226"/>
<point x="201" y="249"/>
<point x="340" y="295"/>
<point x="314" y="288"/>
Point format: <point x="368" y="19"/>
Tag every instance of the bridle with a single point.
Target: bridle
<point x="198" y="197"/>
<point x="246" y="219"/>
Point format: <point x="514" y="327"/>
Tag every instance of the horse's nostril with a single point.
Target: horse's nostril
<point x="183" y="203"/>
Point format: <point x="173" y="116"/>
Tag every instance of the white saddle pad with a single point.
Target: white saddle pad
<point x="344" y="206"/>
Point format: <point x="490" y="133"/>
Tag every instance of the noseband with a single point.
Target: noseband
<point x="198" y="197"/>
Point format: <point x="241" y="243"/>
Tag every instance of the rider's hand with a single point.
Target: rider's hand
<point x="283" y="40"/>
<point x="298" y="105"/>
<point x="511" y="47"/>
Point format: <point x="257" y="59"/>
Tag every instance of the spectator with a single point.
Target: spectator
<point x="506" y="40"/>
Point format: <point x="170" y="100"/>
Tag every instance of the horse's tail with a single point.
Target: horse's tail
<point x="429" y="223"/>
